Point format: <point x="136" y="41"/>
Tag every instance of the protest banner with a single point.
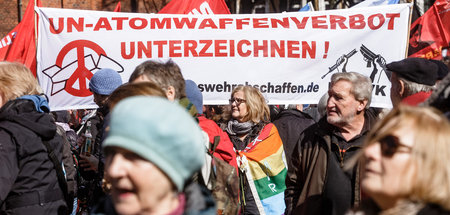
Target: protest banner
<point x="371" y="3"/>
<point x="196" y="7"/>
<point x="431" y="32"/>
<point x="290" y="57"/>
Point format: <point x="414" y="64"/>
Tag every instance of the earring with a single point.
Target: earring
<point x="106" y="185"/>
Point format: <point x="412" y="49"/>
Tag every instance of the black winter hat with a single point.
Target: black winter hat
<point x="417" y="70"/>
<point x="443" y="69"/>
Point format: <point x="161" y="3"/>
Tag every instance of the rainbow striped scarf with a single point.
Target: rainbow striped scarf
<point x="263" y="163"/>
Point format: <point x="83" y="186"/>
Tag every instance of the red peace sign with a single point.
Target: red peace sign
<point x="81" y="73"/>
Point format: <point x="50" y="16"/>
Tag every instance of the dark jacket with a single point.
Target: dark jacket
<point x="29" y="184"/>
<point x="308" y="169"/>
<point x="290" y="124"/>
<point x="199" y="201"/>
<point x="69" y="166"/>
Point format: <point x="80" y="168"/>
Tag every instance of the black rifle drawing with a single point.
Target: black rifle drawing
<point x="371" y="58"/>
<point x="341" y="60"/>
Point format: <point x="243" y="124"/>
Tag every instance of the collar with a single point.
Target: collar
<point x="417" y="98"/>
<point x="325" y="129"/>
<point x="366" y="126"/>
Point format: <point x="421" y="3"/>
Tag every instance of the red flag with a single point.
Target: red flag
<point x="22" y="47"/>
<point x="431" y="32"/>
<point x="196" y="7"/>
<point x="6" y="41"/>
<point x="117" y="7"/>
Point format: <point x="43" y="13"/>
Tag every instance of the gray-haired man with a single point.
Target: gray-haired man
<point x="317" y="182"/>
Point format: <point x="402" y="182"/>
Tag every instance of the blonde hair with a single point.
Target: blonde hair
<point x="16" y="80"/>
<point x="257" y="109"/>
<point x="430" y="152"/>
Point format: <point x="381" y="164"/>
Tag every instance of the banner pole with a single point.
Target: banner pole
<point x="35" y="37"/>
<point x="411" y="6"/>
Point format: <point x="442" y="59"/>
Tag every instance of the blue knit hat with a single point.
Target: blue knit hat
<point x="194" y="95"/>
<point x="161" y="132"/>
<point x="105" y="81"/>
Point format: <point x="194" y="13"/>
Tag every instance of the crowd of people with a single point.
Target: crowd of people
<point x="152" y="147"/>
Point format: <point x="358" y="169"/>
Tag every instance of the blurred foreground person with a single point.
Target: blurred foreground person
<point x="406" y="159"/>
<point x="28" y="177"/>
<point x="147" y="164"/>
<point x="260" y="153"/>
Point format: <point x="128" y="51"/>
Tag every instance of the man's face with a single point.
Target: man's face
<point x="396" y="96"/>
<point x="100" y="100"/>
<point x="342" y="106"/>
<point x="415" y="39"/>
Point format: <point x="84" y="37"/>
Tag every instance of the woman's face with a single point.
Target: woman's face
<point x="137" y="185"/>
<point x="238" y="106"/>
<point x="388" y="171"/>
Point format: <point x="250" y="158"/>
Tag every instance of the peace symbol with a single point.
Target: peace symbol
<point x="81" y="73"/>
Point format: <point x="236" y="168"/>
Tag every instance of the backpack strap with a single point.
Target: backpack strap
<point x="59" y="172"/>
<point x="213" y="146"/>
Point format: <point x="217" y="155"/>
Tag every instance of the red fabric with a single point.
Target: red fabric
<point x="416" y="99"/>
<point x="6" y="41"/>
<point x="195" y="6"/>
<point x="224" y="150"/>
<point x="118" y="6"/>
<point x="435" y="31"/>
<point x="23" y="46"/>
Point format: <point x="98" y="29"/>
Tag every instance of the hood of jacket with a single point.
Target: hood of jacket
<point x="24" y="113"/>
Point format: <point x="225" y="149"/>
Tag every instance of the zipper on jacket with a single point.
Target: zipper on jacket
<point x="342" y="153"/>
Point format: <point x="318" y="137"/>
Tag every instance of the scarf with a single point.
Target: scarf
<point x="234" y="127"/>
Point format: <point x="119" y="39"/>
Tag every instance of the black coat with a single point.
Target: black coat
<point x="290" y="124"/>
<point x="29" y="184"/>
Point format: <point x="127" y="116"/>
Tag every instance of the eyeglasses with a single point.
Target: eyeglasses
<point x="391" y="144"/>
<point x="237" y="100"/>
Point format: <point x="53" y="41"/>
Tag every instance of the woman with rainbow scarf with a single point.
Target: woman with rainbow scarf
<point x="260" y="154"/>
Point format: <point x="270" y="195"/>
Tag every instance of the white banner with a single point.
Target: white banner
<point x="290" y="57"/>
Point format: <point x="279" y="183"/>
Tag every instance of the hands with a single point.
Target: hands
<point x="88" y="162"/>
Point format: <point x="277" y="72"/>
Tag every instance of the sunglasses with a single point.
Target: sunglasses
<point x="237" y="100"/>
<point x="391" y="144"/>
